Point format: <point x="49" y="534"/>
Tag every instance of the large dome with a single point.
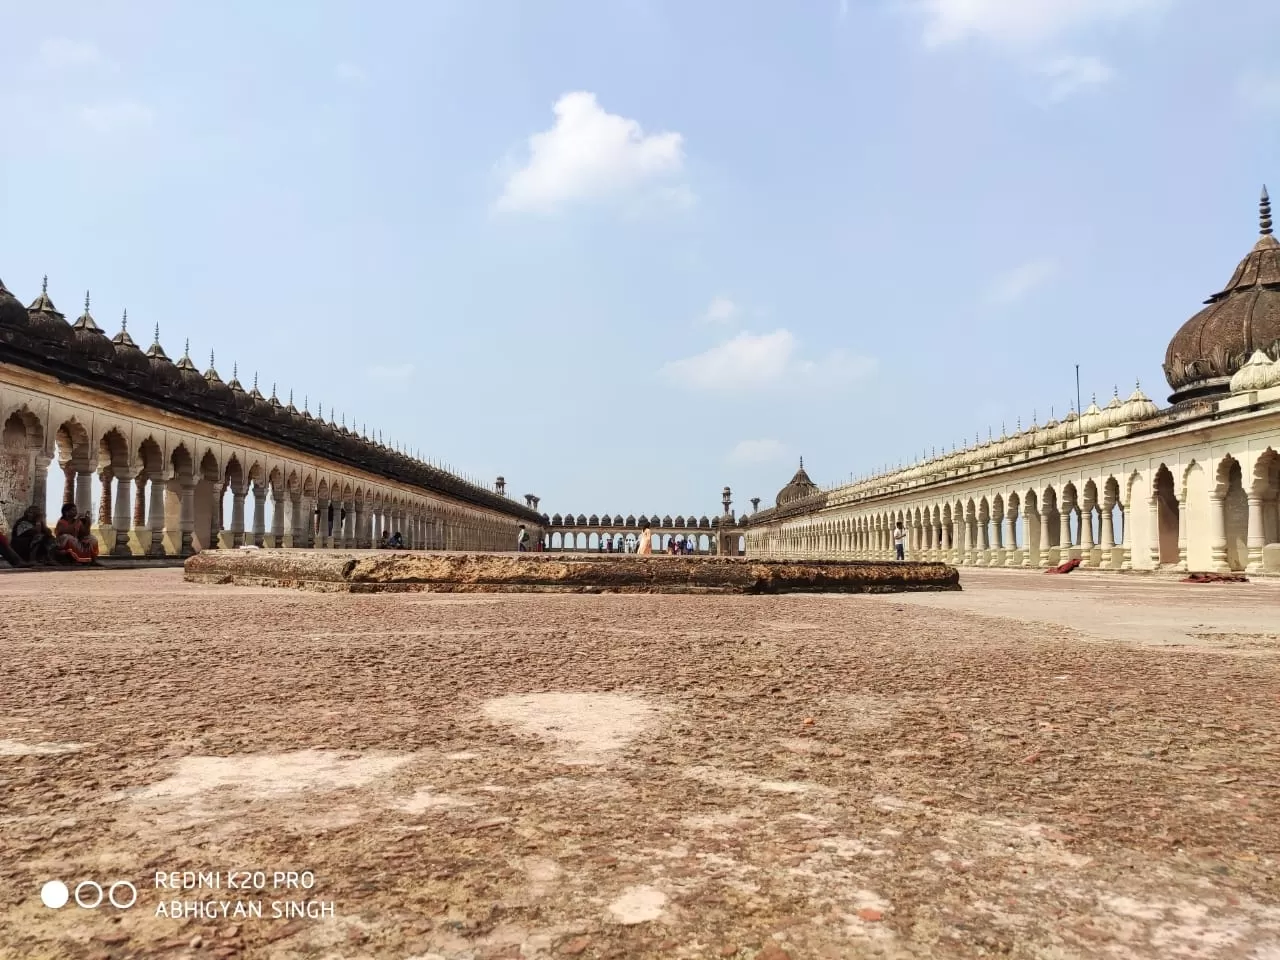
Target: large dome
<point x="799" y="488"/>
<point x="1243" y="318"/>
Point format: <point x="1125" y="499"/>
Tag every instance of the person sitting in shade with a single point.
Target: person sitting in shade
<point x="396" y="542"/>
<point x="645" y="545"/>
<point x="10" y="554"/>
<point x="32" y="540"/>
<point x="73" y="536"/>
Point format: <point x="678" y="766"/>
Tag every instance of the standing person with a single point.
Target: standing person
<point x="522" y="539"/>
<point x="645" y="545"/>
<point x="900" y="541"/>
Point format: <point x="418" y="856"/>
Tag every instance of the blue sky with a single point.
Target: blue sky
<point x="626" y="253"/>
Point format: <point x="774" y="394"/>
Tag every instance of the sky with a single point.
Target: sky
<point x="627" y="253"/>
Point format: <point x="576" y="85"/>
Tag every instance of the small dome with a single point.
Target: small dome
<point x="45" y="322"/>
<point x="191" y="379"/>
<point x="219" y="392"/>
<point x="88" y="340"/>
<point x="1260" y="373"/>
<point x="1240" y="320"/>
<point x="1139" y="406"/>
<point x="1091" y="419"/>
<point x="1113" y="415"/>
<point x="164" y="372"/>
<point x="240" y="398"/>
<point x="800" y="488"/>
<point x="261" y="408"/>
<point x="129" y="359"/>
<point x="12" y="312"/>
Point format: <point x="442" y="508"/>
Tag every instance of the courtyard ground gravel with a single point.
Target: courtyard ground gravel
<point x="1047" y="767"/>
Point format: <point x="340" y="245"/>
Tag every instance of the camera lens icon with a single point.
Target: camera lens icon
<point x="89" y="894"/>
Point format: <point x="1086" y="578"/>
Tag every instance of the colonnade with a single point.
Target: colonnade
<point x="1212" y="509"/>
<point x="160" y="488"/>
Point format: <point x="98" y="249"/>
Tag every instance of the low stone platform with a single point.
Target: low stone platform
<point x="380" y="571"/>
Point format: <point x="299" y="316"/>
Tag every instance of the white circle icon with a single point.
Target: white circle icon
<point x="133" y="894"/>
<point x="54" y="894"/>
<point x="91" y="885"/>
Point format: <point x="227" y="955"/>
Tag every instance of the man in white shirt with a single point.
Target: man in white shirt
<point x="900" y="541"/>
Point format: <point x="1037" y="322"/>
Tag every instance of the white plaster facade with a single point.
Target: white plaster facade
<point x="162" y="477"/>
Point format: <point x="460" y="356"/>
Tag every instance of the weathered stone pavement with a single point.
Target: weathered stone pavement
<point x="985" y="773"/>
<point x="381" y="571"/>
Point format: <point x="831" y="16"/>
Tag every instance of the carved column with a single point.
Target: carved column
<point x="259" y="512"/>
<point x="124" y="476"/>
<point x="69" y="483"/>
<point x="237" y="515"/>
<point x="1046" y="558"/>
<point x="187" y="514"/>
<point x="1218" y="534"/>
<point x="1108" y="535"/>
<point x="104" y="501"/>
<point x="281" y="518"/>
<point x="1064" y="532"/>
<point x="1086" y="535"/>
<point x="1153" y="531"/>
<point x="155" y="514"/>
<point x="1256" y="535"/>
<point x="140" y="499"/>
<point x="1011" y="538"/>
<point x="84" y="498"/>
<point x="40" y="481"/>
<point x="1182" y="534"/>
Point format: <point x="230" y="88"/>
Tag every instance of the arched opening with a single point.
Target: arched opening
<point x="1235" y="504"/>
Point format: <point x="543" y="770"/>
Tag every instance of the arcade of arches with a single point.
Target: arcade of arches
<point x="616" y="534"/>
<point x="1191" y="487"/>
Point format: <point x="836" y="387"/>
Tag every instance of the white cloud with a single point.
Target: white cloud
<point x="757" y="451"/>
<point x="1259" y="90"/>
<point x="350" y="73"/>
<point x="393" y="372"/>
<point x="1022" y="23"/>
<point x="117" y="116"/>
<point x="1017" y="283"/>
<point x="720" y="310"/>
<point x="590" y="154"/>
<point x="750" y="361"/>
<point x="63" y="53"/>
<point x="1071" y="75"/>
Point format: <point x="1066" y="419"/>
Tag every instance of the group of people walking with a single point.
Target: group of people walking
<point x="33" y="544"/>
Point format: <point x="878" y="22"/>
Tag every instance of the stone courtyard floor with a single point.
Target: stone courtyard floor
<point x="1049" y="767"/>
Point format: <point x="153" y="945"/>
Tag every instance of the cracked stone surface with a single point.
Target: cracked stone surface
<point x="1015" y="770"/>
<point x="379" y="571"/>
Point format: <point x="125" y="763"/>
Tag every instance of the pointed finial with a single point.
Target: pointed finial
<point x="255" y="380"/>
<point x="1264" y="213"/>
<point x="273" y="390"/>
<point x="86" y="301"/>
<point x="305" y="403"/>
<point x="802" y="463"/>
<point x="210" y="358"/>
<point x="124" y="319"/>
<point x="186" y="348"/>
<point x="155" y="339"/>
<point x="44" y="284"/>
<point x="1115" y="391"/>
<point x="291" y="398"/>
<point x="235" y="371"/>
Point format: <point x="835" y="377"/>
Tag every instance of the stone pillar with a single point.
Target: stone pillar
<point x="124" y="475"/>
<point x="361" y="516"/>
<point x="984" y="540"/>
<point x="1108" y="536"/>
<point x="1256" y="536"/>
<point x="289" y="510"/>
<point x="83" y="498"/>
<point x="140" y="500"/>
<point x="40" y="481"/>
<point x="1153" y="531"/>
<point x="966" y="552"/>
<point x="1011" y="538"/>
<point x="237" y="515"/>
<point x="946" y="540"/>
<point x="69" y="483"/>
<point x="321" y="523"/>
<point x="1182" y="535"/>
<point x="1218" y="534"/>
<point x="1064" y="533"/>
<point x="187" y="514"/>
<point x="259" y="512"/>
<point x="281" y="517"/>
<point x="155" y="514"/>
<point x="1046" y="557"/>
<point x="1086" y="536"/>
